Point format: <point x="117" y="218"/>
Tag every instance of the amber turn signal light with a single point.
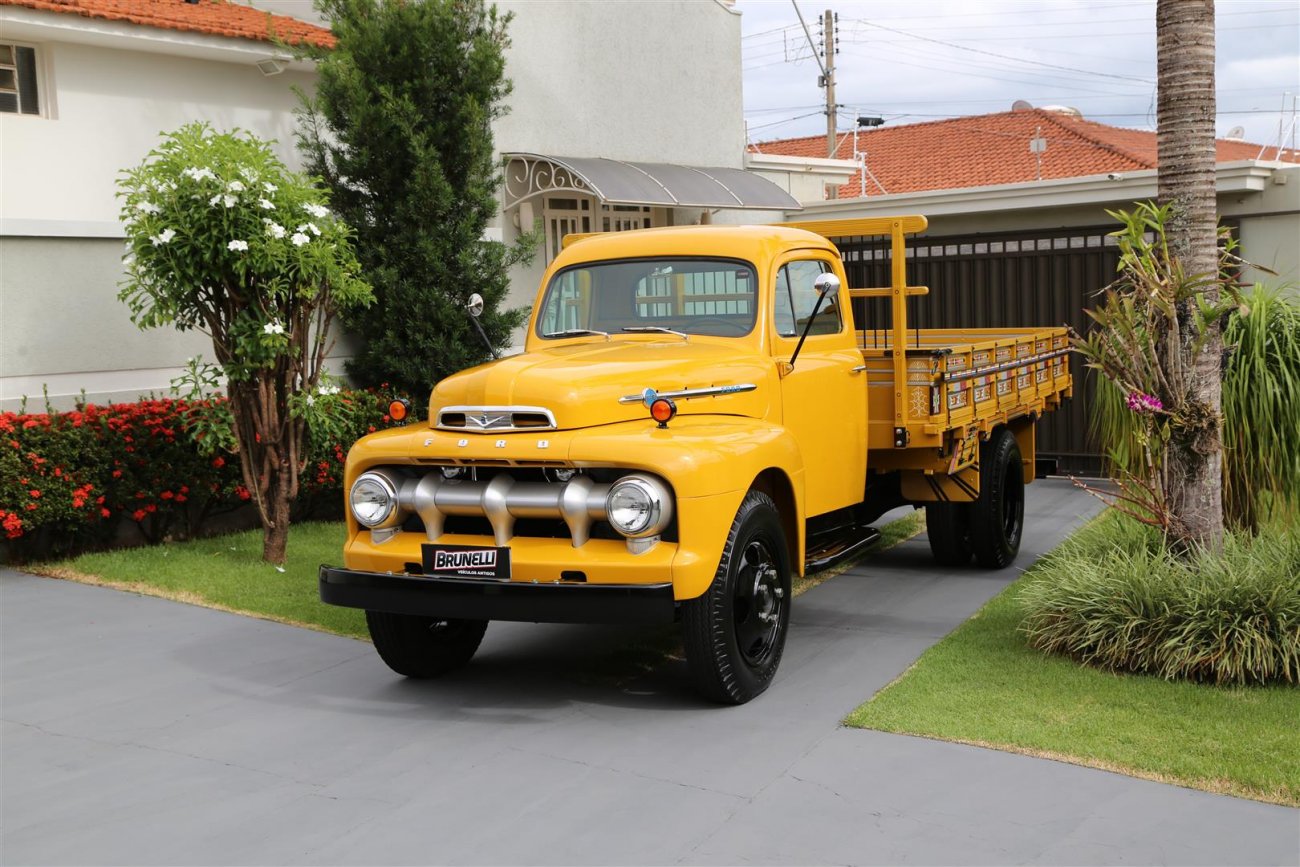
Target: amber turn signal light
<point x="399" y="409"/>
<point x="662" y="410"/>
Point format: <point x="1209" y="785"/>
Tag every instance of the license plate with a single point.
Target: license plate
<point x="466" y="561"/>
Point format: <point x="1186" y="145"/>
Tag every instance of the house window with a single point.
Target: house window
<point x="18" y="93"/>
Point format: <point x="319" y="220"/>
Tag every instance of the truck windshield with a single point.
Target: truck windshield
<point x="689" y="296"/>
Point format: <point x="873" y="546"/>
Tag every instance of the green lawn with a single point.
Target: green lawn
<point x="227" y="572"/>
<point x="983" y="685"/>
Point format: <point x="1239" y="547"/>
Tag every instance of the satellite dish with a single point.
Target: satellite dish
<point x="1021" y="105"/>
<point x="1237" y="133"/>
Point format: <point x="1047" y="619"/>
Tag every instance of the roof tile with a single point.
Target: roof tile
<point x="213" y="17"/>
<point x="990" y="149"/>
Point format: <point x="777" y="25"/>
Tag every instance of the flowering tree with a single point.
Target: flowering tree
<point x="224" y="239"/>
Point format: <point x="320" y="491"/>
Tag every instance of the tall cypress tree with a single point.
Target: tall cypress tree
<point x="400" y="129"/>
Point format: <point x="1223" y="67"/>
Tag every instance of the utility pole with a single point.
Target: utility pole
<point x="828" y="43"/>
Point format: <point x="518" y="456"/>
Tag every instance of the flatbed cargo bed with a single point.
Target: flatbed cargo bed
<point x="962" y="379"/>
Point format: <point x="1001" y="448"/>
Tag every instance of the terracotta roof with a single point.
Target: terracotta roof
<point x="993" y="149"/>
<point x="212" y="17"/>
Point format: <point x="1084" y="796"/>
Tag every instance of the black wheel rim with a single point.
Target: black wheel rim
<point x="1013" y="504"/>
<point x="759" y="603"/>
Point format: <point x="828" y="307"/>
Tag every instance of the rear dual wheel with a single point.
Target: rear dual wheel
<point x="990" y="528"/>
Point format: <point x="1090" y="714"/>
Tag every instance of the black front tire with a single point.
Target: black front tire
<point x="735" y="632"/>
<point x="998" y="516"/>
<point x="947" y="526"/>
<point x="424" y="647"/>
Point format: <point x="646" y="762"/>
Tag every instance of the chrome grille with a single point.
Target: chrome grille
<point x="495" y="419"/>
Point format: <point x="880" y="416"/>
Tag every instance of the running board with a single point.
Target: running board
<point x="836" y="549"/>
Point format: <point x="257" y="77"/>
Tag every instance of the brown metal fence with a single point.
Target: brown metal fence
<point x="1005" y="279"/>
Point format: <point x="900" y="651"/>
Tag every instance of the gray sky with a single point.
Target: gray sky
<point x="921" y="60"/>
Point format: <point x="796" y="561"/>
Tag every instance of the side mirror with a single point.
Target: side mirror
<point x="827" y="284"/>
<point x="475" y="303"/>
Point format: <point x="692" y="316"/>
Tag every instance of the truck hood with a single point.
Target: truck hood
<point x="581" y="383"/>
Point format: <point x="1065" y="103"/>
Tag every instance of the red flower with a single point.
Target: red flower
<point x="185" y="489"/>
<point x="180" y="498"/>
<point x="36" y="495"/>
<point x="218" y="462"/>
<point x="167" y="495"/>
<point x="138" y="515"/>
<point x="242" y="492"/>
<point x="117" y="474"/>
<point x="105" y="512"/>
<point x="151" y="508"/>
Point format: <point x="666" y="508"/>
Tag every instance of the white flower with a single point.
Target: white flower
<point x="267" y="204"/>
<point x="198" y="174"/>
<point x="327" y="389"/>
<point x="163" y="237"/>
<point x="269" y="187"/>
<point x="248" y="173"/>
<point x="274" y="229"/>
<point x="311" y="401"/>
<point x="237" y="246"/>
<point x="215" y="200"/>
<point x="230" y="201"/>
<point x="235" y="187"/>
<point x="299" y="239"/>
<point x="317" y="211"/>
<point x="147" y="207"/>
<point x="315" y="231"/>
<point x="273" y="327"/>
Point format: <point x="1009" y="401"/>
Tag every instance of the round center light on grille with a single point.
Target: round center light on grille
<point x="373" y="499"/>
<point x="638" y="506"/>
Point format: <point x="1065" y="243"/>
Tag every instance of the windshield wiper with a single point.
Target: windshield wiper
<point x="656" y="329"/>
<point x="577" y="332"/>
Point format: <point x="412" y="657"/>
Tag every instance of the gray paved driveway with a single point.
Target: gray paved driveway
<point x="139" y="731"/>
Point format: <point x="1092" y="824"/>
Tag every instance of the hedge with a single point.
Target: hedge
<point x="70" y="481"/>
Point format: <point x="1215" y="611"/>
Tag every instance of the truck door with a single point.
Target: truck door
<point x="824" y="398"/>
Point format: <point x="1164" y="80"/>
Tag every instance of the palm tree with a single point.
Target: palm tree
<point x="1185" y="142"/>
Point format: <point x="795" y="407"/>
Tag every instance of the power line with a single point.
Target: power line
<point x="1006" y="56"/>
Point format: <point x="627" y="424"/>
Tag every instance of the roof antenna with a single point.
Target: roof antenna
<point x="1037" y="147"/>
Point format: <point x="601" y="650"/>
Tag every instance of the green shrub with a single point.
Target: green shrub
<point x="70" y="481"/>
<point x="1261" y="402"/>
<point x="1113" y="597"/>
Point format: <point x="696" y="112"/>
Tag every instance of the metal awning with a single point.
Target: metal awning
<point x="664" y="185"/>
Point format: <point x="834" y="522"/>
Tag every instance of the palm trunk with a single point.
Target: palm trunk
<point x="1185" y="141"/>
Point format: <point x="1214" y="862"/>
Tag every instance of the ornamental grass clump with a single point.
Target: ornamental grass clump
<point x="1116" y="598"/>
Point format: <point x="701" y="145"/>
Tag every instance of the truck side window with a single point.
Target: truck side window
<point x="796" y="297"/>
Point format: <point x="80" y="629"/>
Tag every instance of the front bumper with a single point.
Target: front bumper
<point x="479" y="599"/>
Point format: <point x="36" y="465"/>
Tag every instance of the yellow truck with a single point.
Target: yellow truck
<point x="695" y="420"/>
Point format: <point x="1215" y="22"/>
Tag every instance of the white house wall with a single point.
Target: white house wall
<point x="639" y="81"/>
<point x="61" y="324"/>
<point x="644" y="81"/>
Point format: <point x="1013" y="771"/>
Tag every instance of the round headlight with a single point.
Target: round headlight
<point x="638" y="506"/>
<point x="373" y="499"/>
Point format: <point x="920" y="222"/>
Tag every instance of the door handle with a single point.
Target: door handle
<point x="858" y="369"/>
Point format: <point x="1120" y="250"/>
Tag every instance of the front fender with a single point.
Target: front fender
<point x="711" y="462"/>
